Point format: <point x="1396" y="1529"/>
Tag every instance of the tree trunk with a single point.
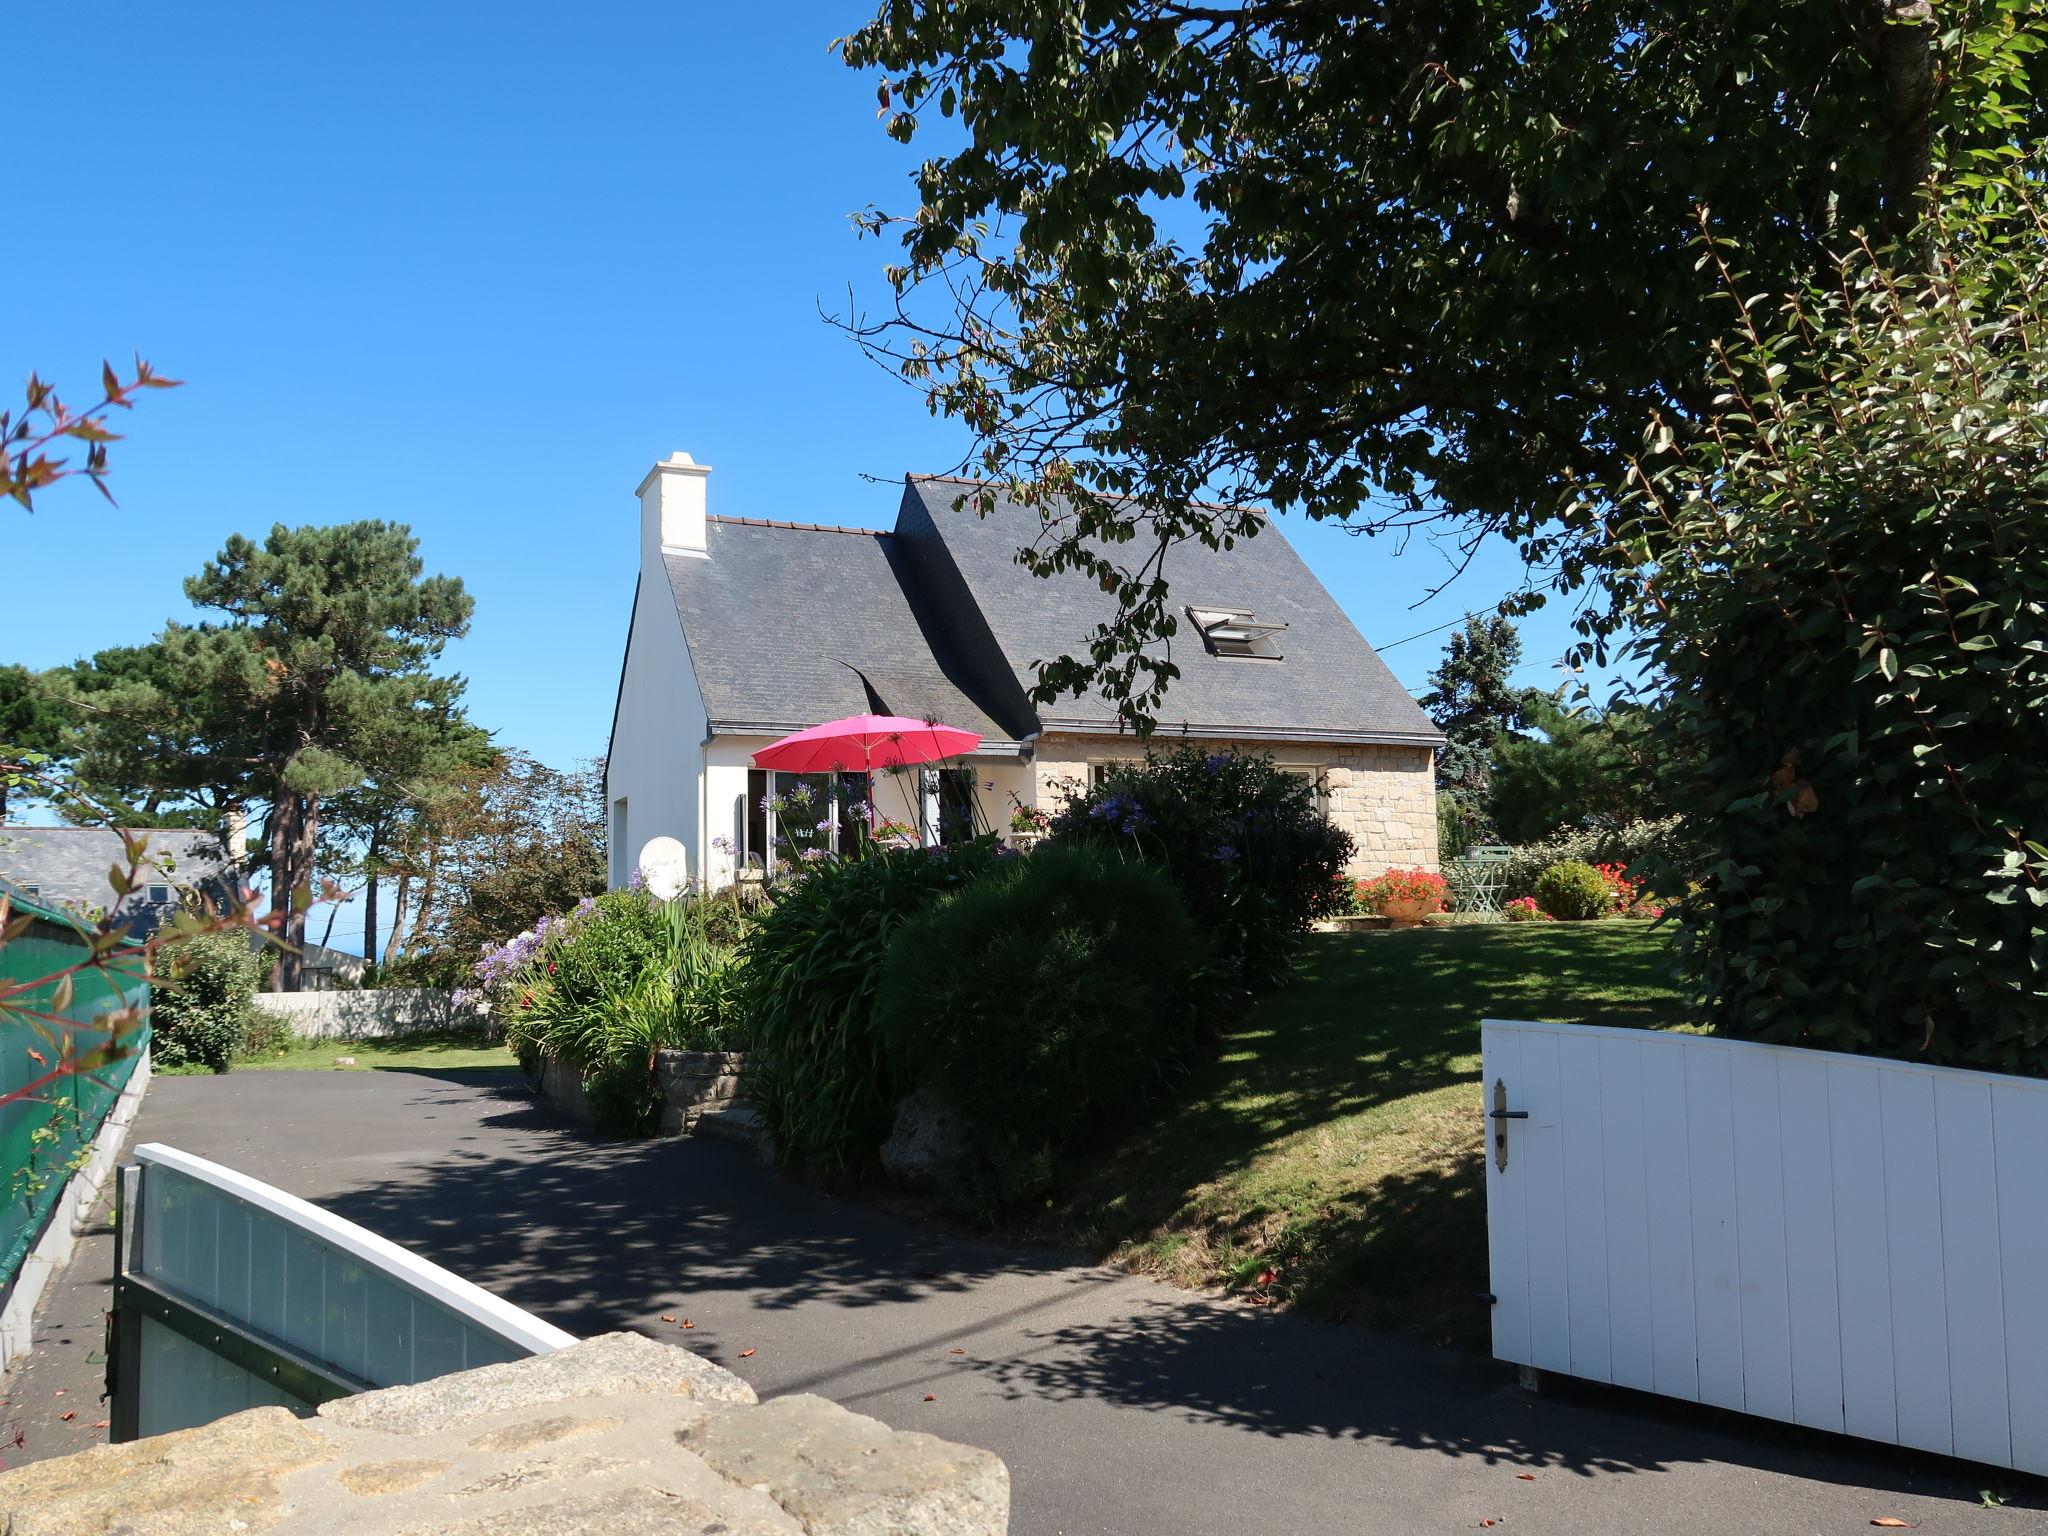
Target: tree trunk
<point x="370" y="919"/>
<point x="295" y="829"/>
<point x="372" y="858"/>
<point x="427" y="891"/>
<point x="397" y="920"/>
<point x="1898" y="38"/>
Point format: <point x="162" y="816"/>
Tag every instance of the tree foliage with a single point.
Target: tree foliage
<point x="1587" y="770"/>
<point x="1377" y="263"/>
<point x="38" y="438"/>
<point x="1842" y="581"/>
<point x="33" y="722"/>
<point x="322" y="660"/>
<point x="506" y="847"/>
<point x="1474" y="703"/>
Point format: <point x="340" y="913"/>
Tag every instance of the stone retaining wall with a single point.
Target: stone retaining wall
<point x="694" y="1082"/>
<point x="617" y="1435"/>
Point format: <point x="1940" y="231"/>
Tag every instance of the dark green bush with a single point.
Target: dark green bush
<point x="1573" y="891"/>
<point x="1038" y="1005"/>
<point x="814" y="960"/>
<point x="1244" y="841"/>
<point x="200" y="1007"/>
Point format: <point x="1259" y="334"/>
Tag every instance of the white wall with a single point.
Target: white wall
<point x="658" y="743"/>
<point x="343" y="1015"/>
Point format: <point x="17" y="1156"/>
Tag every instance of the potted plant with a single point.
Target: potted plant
<point x="1027" y="824"/>
<point x="1405" y="897"/>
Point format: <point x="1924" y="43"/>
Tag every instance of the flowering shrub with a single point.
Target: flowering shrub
<point x="1402" y="888"/>
<point x="1574" y="891"/>
<point x="1253" y="856"/>
<point x="1523" y="909"/>
<point x="1625" y="892"/>
<point x="620" y="977"/>
<point x="1029" y="818"/>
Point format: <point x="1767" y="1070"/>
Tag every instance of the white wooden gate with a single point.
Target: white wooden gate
<point x="1837" y="1241"/>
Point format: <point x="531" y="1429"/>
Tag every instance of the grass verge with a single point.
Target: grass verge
<point x="1334" y="1147"/>
<point x="444" y="1049"/>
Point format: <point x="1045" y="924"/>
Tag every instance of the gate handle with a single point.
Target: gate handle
<point x="1500" y="1115"/>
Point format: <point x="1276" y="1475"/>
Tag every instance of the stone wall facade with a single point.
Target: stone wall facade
<point x="615" y="1436"/>
<point x="1384" y="796"/>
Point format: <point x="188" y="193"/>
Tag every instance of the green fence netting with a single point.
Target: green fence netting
<point x="43" y="1135"/>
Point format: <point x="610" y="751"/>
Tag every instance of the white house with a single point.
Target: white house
<point x="746" y="630"/>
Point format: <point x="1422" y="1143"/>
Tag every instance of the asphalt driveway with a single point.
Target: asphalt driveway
<point x="1121" y="1406"/>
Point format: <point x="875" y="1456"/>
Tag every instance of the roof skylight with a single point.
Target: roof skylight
<point x="1237" y="632"/>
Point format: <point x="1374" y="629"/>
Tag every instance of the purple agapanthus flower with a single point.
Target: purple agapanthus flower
<point x="1224" y="853"/>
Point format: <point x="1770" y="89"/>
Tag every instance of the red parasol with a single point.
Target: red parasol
<point x="865" y="742"/>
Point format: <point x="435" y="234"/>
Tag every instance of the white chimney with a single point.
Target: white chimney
<point x="672" y="509"/>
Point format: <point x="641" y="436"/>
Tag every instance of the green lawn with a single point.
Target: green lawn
<point x="1337" y="1139"/>
<point x="402" y="1053"/>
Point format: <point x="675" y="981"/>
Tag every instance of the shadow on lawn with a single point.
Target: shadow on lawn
<point x="1372" y="1019"/>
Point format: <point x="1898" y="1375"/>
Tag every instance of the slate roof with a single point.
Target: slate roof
<point x="68" y="866"/>
<point x="793" y="623"/>
<point x="1329" y="683"/>
<point x="790" y="624"/>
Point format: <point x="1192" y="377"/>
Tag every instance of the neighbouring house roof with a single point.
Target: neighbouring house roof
<point x="790" y="624"/>
<point x="67" y="868"/>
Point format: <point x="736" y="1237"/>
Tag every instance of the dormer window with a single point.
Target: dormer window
<point x="1237" y="632"/>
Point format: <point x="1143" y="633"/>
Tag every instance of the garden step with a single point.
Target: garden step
<point x="731" y="1122"/>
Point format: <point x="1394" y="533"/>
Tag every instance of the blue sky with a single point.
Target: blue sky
<point x="476" y="278"/>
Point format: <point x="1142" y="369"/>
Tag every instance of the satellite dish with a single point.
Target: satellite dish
<point x="665" y="866"/>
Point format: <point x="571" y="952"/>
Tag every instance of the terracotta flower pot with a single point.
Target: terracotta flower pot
<point x="1406" y="914"/>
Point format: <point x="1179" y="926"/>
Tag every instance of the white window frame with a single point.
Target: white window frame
<point x="1318" y="776"/>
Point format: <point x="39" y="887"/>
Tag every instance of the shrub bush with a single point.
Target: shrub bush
<point x="1523" y="909"/>
<point x="1574" y="891"/>
<point x="1244" y="841"/>
<point x="265" y="1034"/>
<point x="1858" y="656"/>
<point x="1038" y="1004"/>
<point x="814" y="961"/>
<point x="200" y="1007"/>
<point x="603" y="989"/>
<point x="1652" y="852"/>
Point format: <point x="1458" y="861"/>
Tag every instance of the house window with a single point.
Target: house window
<point x="159" y="895"/>
<point x="1237" y="632"/>
<point x="949" y="805"/>
<point x="32" y="892"/>
<point x="788" y="813"/>
<point x="622" y="846"/>
<point x="1318" y="783"/>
